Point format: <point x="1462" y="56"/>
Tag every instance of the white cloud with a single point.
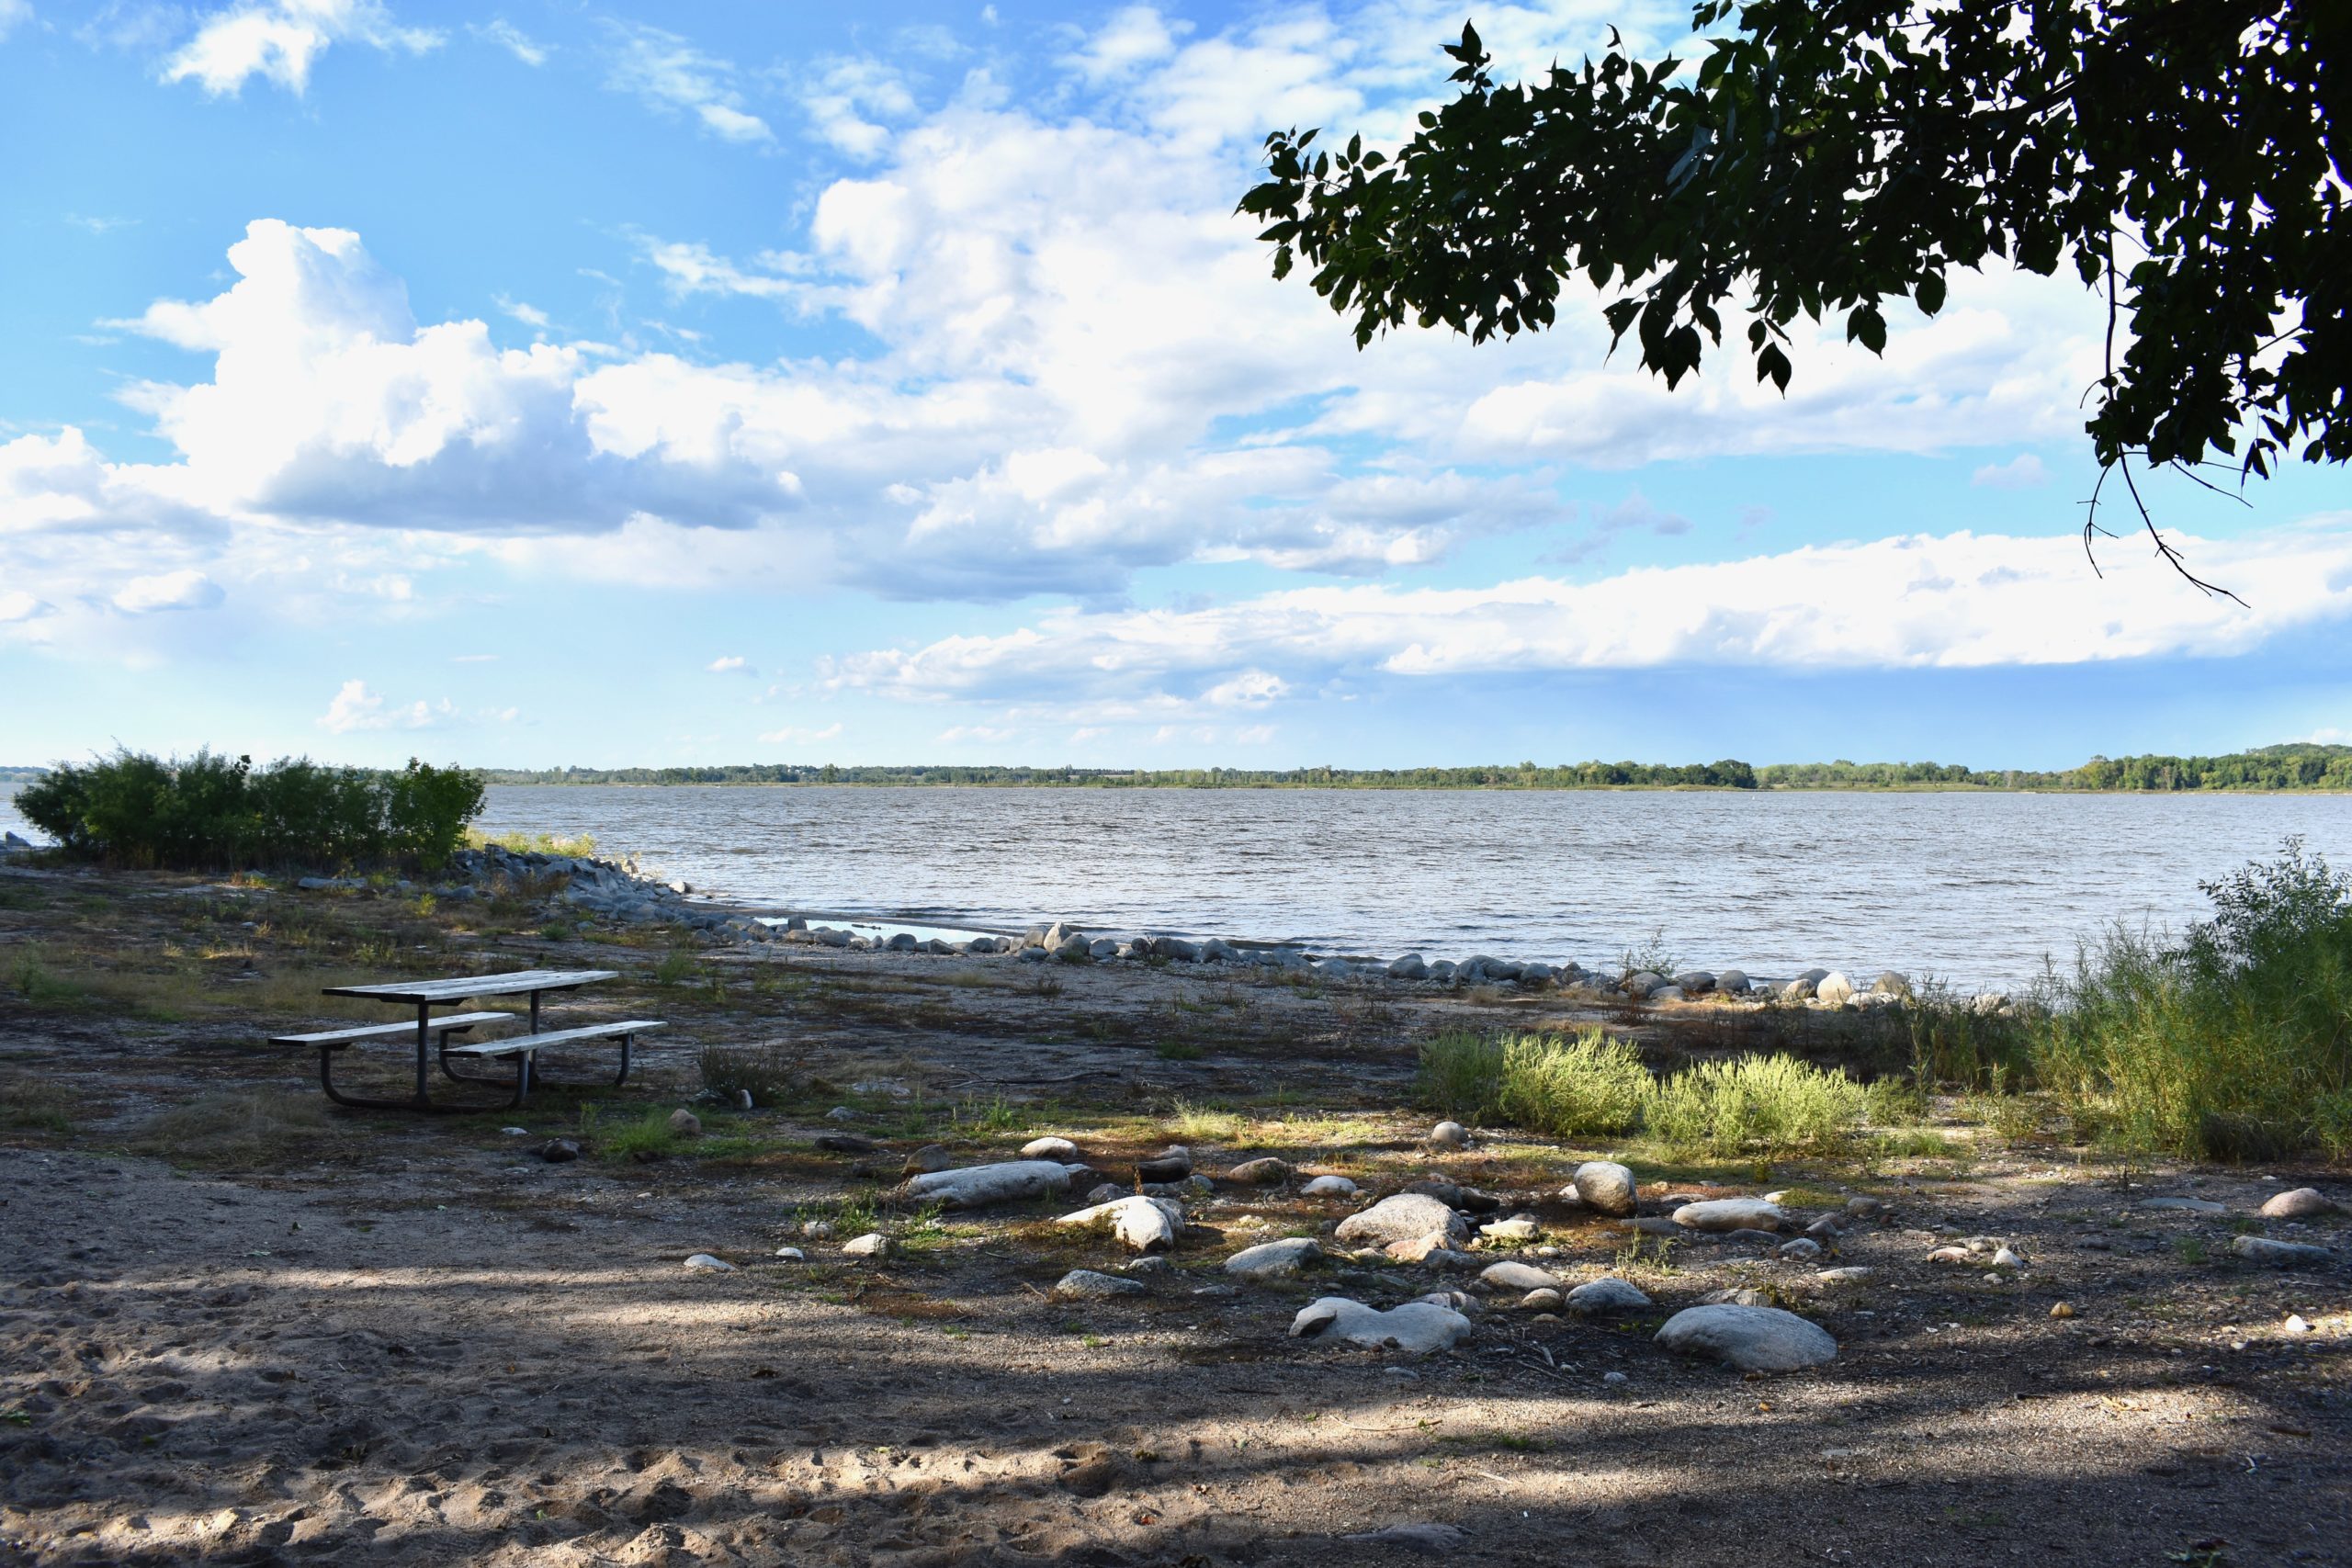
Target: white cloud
<point x="356" y="707"/>
<point x="184" y="590"/>
<point x="1134" y="37"/>
<point x="2023" y="471"/>
<point x="530" y="315"/>
<point x="14" y="14"/>
<point x="665" y="71"/>
<point x="19" y="605"/>
<point x="281" y="39"/>
<point x="986" y="734"/>
<point x="732" y="664"/>
<point x="791" y="737"/>
<point x="848" y="98"/>
<point x="1953" y="601"/>
<point x="514" y="40"/>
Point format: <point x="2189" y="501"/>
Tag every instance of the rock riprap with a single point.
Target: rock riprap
<point x="1751" y="1338"/>
<point x="1416" y="1327"/>
<point x="1406" y="1217"/>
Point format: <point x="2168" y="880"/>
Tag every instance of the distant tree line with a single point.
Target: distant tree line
<point x="2290" y="767"/>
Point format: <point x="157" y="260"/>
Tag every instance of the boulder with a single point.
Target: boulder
<point x="1597" y="1298"/>
<point x="2278" y="1254"/>
<point x="1086" y="1285"/>
<point x="903" y="941"/>
<point x="1752" y="1338"/>
<point x="1450" y="1136"/>
<point x="1641" y="983"/>
<point x="978" y="1186"/>
<point x="558" y="1151"/>
<point x="1892" y="983"/>
<point x="685" y="1123"/>
<point x="1540" y="1301"/>
<point x="1173" y="1162"/>
<point x="873" y="1244"/>
<point x="1140" y="1224"/>
<point x="1732" y="982"/>
<point x="1833" y="988"/>
<point x="1731" y="1215"/>
<point x="1060" y="1150"/>
<point x="1518" y="1277"/>
<point x="1695" y="982"/>
<point x="927" y="1160"/>
<point x="1410" y="967"/>
<point x="1275" y="1260"/>
<point x="2299" y="1203"/>
<point x="1407" y="1216"/>
<point x="1330" y="1187"/>
<point x="1804" y="1249"/>
<point x="1435" y="1249"/>
<point x="1416" y="1327"/>
<point x="1102" y="947"/>
<point x="1266" y="1173"/>
<point x="1216" y="950"/>
<point x="1667" y="994"/>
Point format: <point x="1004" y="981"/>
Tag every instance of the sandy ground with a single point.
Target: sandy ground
<point x="337" y="1338"/>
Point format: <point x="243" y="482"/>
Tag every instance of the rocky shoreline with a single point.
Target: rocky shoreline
<point x="623" y="892"/>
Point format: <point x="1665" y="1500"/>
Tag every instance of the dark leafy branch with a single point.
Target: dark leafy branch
<point x="1824" y="159"/>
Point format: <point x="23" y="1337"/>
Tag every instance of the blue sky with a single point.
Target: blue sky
<point x="569" y="383"/>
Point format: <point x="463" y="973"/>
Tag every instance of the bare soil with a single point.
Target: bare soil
<point x="239" y="1327"/>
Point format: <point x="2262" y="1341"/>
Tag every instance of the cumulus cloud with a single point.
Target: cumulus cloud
<point x="13" y="14"/>
<point x="667" y="73"/>
<point x="184" y="590"/>
<point x="2023" y="471"/>
<point x="849" y="99"/>
<point x="732" y="664"/>
<point x="354" y="707"/>
<point x="1960" y="600"/>
<point x="279" y="40"/>
<point x="19" y="606"/>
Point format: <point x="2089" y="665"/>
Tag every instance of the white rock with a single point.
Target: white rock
<point x="1853" y="1274"/>
<point x="1804" y="1249"/>
<point x="1599" y="1297"/>
<point x="1418" y="1327"/>
<point x="1607" y="1186"/>
<point x="1450" y="1134"/>
<point x="704" y="1260"/>
<point x="1085" y="1285"/>
<point x="2284" y="1254"/>
<point x="1833" y="987"/>
<point x="2295" y="1323"/>
<point x="1541" y="1300"/>
<point x="1893" y="983"/>
<point x="1406" y="1217"/>
<point x="791" y="1254"/>
<point x="818" y="1228"/>
<point x="1752" y="1338"/>
<point x="1330" y="1187"/>
<point x="2301" y="1203"/>
<point x="873" y="1244"/>
<point x="1515" y="1229"/>
<point x="1275" y="1260"/>
<point x="1731" y="1215"/>
<point x="1518" y="1277"/>
<point x="978" y="1186"/>
<point x="1142" y="1225"/>
<point x="1059" y="1150"/>
<point x="2004" y="1258"/>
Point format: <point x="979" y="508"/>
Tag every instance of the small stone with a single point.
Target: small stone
<point x="1450" y="1136"/>
<point x="2301" y="1203"/>
<point x="2296" y="1323"/>
<point x="1429" y="1540"/>
<point x="1151" y="1264"/>
<point x="517" y="1132"/>
<point x="926" y="1160"/>
<point x="1864" y="1208"/>
<point x="841" y="1114"/>
<point x="742" y="1100"/>
<point x="2004" y="1258"/>
<point x="1540" y="1301"/>
<point x="1804" y="1249"/>
<point x="1853" y="1274"/>
<point x="873" y="1244"/>
<point x="1510" y="1231"/>
<point x="2062" y="1309"/>
<point x="1518" y="1277"/>
<point x="1607" y="1186"/>
<point x="1826" y="1226"/>
<point x="685" y="1123"/>
<point x="844" y="1143"/>
<point x="1060" y="1149"/>
<point x="1330" y="1187"/>
<point x="2279" y="1254"/>
<point x="1275" y="1260"/>
<point x="819" y="1229"/>
<point x="1086" y="1285"/>
<point x="1266" y="1173"/>
<point x="558" y="1151"/>
<point x="791" y="1254"/>
<point x="1173" y="1162"/>
<point x="704" y="1262"/>
<point x="2187" y="1205"/>
<point x="1614" y="1380"/>
<point x="1608" y="1294"/>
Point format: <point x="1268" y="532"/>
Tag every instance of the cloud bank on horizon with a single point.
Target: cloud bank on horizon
<point x="554" y="362"/>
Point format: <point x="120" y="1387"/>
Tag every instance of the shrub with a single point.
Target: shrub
<point x="1773" y="1104"/>
<point x="1462" y="1074"/>
<point x="213" y="813"/>
<point x="2236" y="1044"/>
<point x="1590" y="1084"/>
<point x="773" y="1074"/>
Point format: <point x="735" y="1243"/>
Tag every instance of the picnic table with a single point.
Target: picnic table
<point x="426" y="994"/>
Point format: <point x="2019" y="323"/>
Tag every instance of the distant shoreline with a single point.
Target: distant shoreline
<point x="499" y="782"/>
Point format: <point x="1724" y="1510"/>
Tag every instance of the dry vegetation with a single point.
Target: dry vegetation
<point x="248" y="1327"/>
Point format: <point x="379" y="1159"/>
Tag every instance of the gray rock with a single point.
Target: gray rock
<point x="1450" y="1136"/>
<point x="2299" y="1203"/>
<point x="1429" y="1540"/>
<point x="1173" y="1162"/>
<point x="685" y="1123"/>
<point x="1599" y="1298"/>
<point x="1833" y="987"/>
<point x="1086" y="1285"/>
<point x="1150" y="1263"/>
<point x="1416" y="1328"/>
<point x="841" y="1114"/>
<point x="1798" y="990"/>
<point x="2187" y="1205"/>
<point x="1641" y="983"/>
<point x="1753" y="1340"/>
<point x="558" y="1151"/>
<point x="1330" y="1187"/>
<point x="1541" y="1299"/>
<point x="1407" y="1216"/>
<point x="1059" y="1149"/>
<point x="1102" y="947"/>
<point x="1667" y="994"/>
<point x="1607" y="1186"/>
<point x="904" y="942"/>
<point x="1732" y="982"/>
<point x="1695" y="982"/>
<point x="978" y="1186"/>
<point x="2278" y="1254"/>
<point x="873" y="1244"/>
<point x="1853" y="1274"/>
<point x="1410" y="967"/>
<point x="1266" y="1173"/>
<point x="1518" y="1277"/>
<point x="1864" y="1207"/>
<point x="1275" y="1260"/>
<point x="927" y="1160"/>
<point x="1892" y="983"/>
<point x="1516" y="1231"/>
<point x="1731" y="1215"/>
<point x="704" y="1262"/>
<point x="844" y="1143"/>
<point x="1804" y="1249"/>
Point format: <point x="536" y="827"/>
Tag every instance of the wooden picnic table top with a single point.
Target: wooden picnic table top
<point x="513" y="984"/>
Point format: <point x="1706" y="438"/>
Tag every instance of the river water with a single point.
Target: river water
<point x="1975" y="887"/>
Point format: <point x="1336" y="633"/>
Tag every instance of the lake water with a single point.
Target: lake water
<point x="1974" y="888"/>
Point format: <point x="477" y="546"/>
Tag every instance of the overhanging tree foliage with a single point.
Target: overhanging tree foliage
<point x="1826" y="158"/>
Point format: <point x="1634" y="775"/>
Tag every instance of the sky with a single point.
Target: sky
<point x="574" y="383"/>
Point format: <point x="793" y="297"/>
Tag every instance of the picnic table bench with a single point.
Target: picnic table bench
<point x="430" y="1033"/>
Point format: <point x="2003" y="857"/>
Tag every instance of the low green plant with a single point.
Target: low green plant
<point x="1178" y="1051"/>
<point x="1775" y="1105"/>
<point x="677" y="966"/>
<point x="524" y="843"/>
<point x="1569" y="1087"/>
<point x="647" y="1136"/>
<point x="1461" y="1074"/>
<point x="771" y="1074"/>
<point x="32" y="981"/>
<point x="1651" y="957"/>
<point x="34" y="1103"/>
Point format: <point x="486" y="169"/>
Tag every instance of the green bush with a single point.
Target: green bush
<point x="1462" y="1074"/>
<point x="1770" y="1104"/>
<point x="1588" y="1085"/>
<point x="2236" y="1044"/>
<point x="214" y="813"/>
